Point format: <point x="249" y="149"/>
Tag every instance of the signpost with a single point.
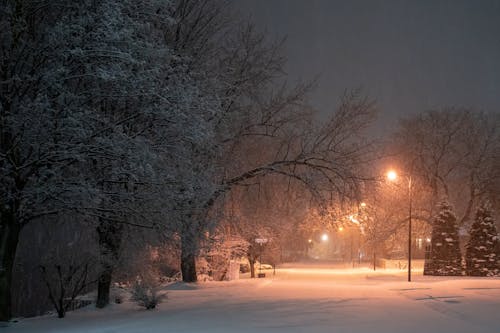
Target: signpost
<point x="261" y="241"/>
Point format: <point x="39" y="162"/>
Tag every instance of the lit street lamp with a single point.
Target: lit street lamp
<point x="393" y="176"/>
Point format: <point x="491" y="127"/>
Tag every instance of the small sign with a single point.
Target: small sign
<point x="260" y="240"/>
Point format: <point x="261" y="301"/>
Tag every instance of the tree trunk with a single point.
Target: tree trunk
<point x="9" y="238"/>
<point x="251" y="261"/>
<point x="188" y="257"/>
<point x="110" y="237"/>
<point x="104" y="287"/>
<point x="188" y="267"/>
<point x="61" y="311"/>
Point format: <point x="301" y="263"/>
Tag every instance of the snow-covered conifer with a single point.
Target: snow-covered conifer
<point x="481" y="257"/>
<point x="445" y="258"/>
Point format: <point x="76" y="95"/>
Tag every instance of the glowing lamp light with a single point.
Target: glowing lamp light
<point x="392" y="175"/>
<point x="324" y="237"/>
<point x="341" y="228"/>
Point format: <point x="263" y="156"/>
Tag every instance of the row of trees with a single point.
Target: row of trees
<point x="450" y="154"/>
<point x="171" y="122"/>
<point x="453" y="154"/>
<point x="481" y="257"/>
<point x="125" y="115"/>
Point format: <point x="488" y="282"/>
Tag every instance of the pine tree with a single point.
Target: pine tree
<point x="445" y="257"/>
<point x="481" y="258"/>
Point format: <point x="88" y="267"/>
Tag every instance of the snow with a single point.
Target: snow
<point x="301" y="298"/>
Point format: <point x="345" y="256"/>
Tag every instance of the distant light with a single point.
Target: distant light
<point x="428" y="240"/>
<point x="392" y="175"/>
<point x="309" y="240"/>
<point x="324" y="237"/>
<point x="363" y="204"/>
<point x="341" y="228"/>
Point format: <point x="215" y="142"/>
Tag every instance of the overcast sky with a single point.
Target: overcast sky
<point x="408" y="55"/>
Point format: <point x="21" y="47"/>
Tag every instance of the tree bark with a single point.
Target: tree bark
<point x="110" y="237"/>
<point x="9" y="238"/>
<point x="104" y="287"/>
<point x="188" y="257"/>
<point x="374" y="260"/>
<point x="251" y="261"/>
<point x="188" y="267"/>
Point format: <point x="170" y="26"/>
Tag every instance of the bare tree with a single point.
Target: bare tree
<point x="452" y="152"/>
<point x="148" y="118"/>
<point x="325" y="159"/>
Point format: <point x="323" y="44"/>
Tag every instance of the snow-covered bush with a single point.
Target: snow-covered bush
<point x="481" y="257"/>
<point x="222" y="251"/>
<point x="445" y="257"/>
<point x="146" y="292"/>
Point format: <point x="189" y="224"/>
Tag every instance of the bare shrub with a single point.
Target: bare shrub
<point x="146" y="292"/>
<point x="64" y="283"/>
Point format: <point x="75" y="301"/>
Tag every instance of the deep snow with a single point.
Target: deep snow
<point x="301" y="298"/>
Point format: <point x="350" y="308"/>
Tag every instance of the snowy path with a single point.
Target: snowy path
<point x="302" y="299"/>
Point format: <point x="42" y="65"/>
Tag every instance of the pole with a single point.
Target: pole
<point x="260" y="260"/>
<point x="409" y="229"/>
<point x="352" y="256"/>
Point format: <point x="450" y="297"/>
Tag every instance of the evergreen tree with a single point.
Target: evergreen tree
<point x="445" y="257"/>
<point x="481" y="258"/>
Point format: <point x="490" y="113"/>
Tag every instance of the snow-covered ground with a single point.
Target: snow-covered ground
<point x="301" y="298"/>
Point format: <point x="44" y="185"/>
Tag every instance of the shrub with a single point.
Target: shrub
<point x="146" y="293"/>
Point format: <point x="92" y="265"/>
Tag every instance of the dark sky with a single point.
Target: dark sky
<point x="408" y="55"/>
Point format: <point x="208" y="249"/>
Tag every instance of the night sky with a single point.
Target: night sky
<point x="408" y="55"/>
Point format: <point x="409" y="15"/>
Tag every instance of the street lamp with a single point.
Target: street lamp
<point x="393" y="176"/>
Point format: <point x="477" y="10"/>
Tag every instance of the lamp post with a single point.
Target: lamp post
<point x="392" y="176"/>
<point x="261" y="241"/>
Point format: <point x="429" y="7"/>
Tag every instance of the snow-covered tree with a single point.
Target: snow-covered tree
<point x="481" y="250"/>
<point x="445" y="257"/>
<point x="156" y="122"/>
<point x="39" y="139"/>
<point x="132" y="114"/>
<point x="99" y="117"/>
<point x="244" y="71"/>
